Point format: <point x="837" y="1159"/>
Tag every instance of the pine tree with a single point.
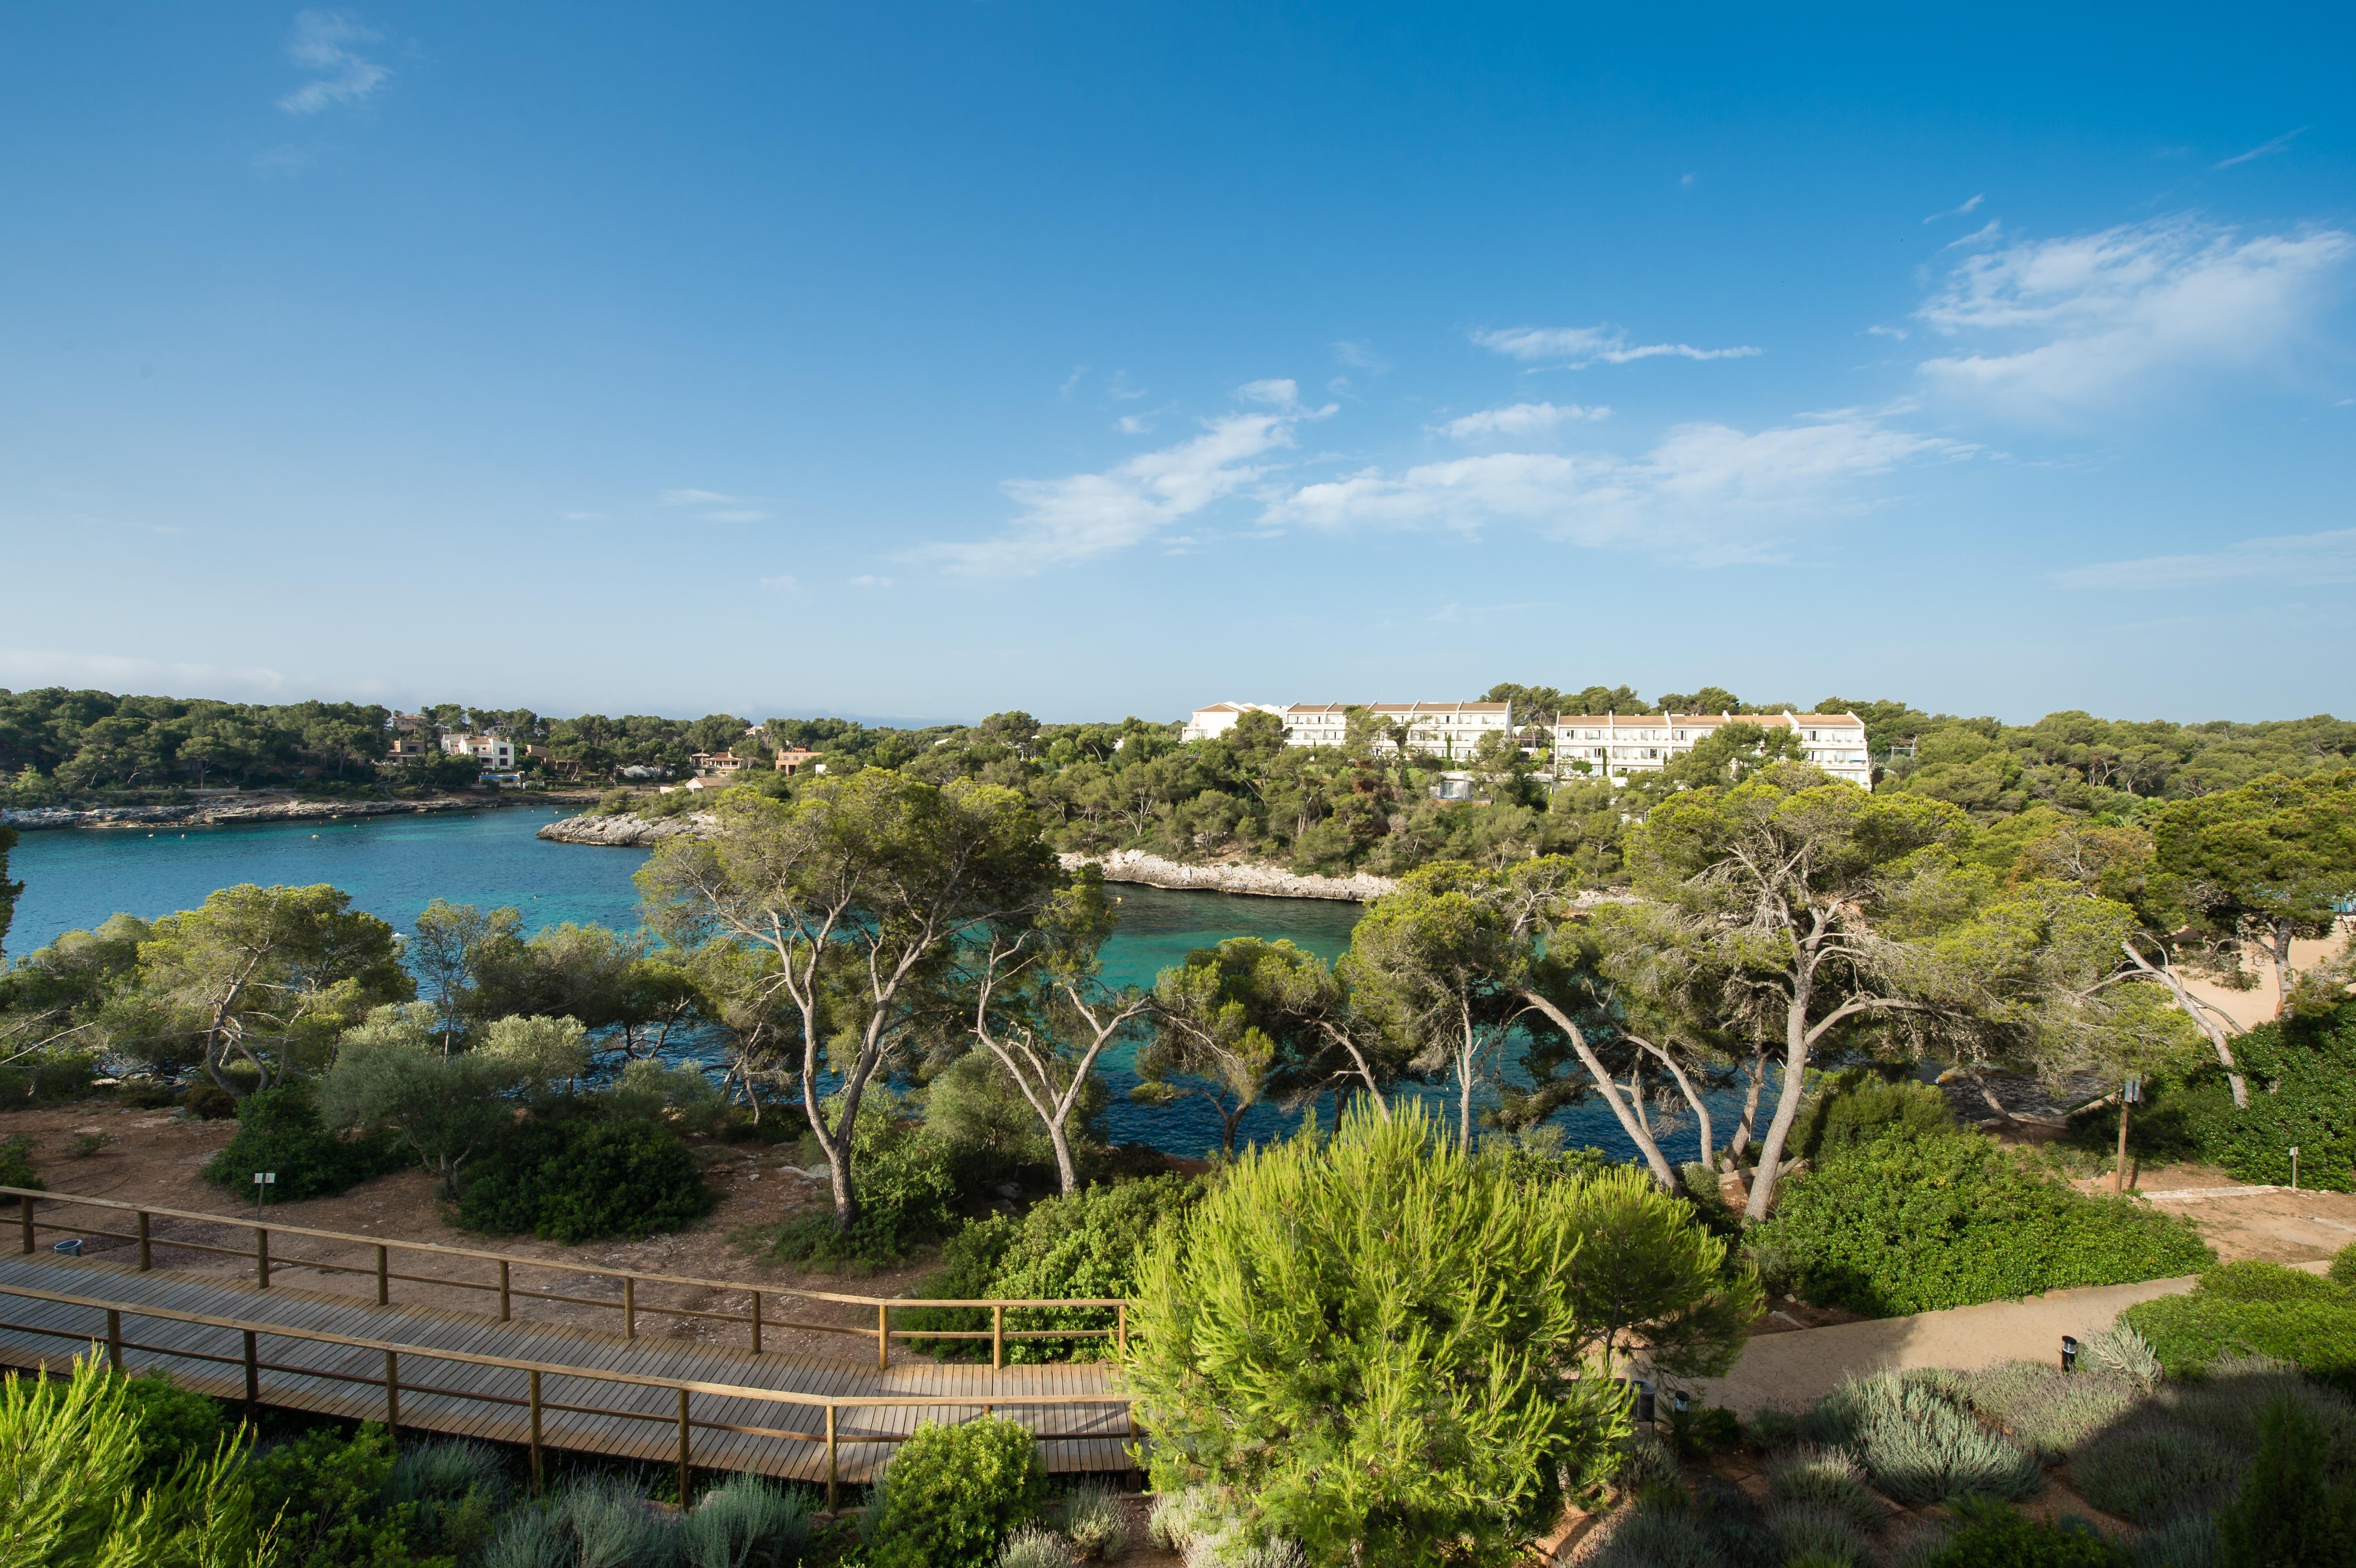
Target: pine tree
<point x="2287" y="1516"/>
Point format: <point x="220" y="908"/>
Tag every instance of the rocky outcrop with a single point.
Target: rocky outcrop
<point x="628" y="832"/>
<point x="226" y="811"/>
<point x="1240" y="876"/>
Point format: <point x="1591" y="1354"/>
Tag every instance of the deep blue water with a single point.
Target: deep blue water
<point x="393" y="867"/>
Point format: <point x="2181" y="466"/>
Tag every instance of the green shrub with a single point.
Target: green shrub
<point x="328" y="1494"/>
<point x="2300" y="1070"/>
<point x="1095" y="1524"/>
<point x="16" y="1165"/>
<point x="2046" y="1410"/>
<point x="208" y="1101"/>
<point x="454" y="1492"/>
<point x="1713" y="1528"/>
<point x="176" y="1424"/>
<point x="277" y="1129"/>
<point x="1819" y="1534"/>
<point x="1993" y="1536"/>
<point x="1321" y="1289"/>
<point x="1903" y="1225"/>
<point x="1087" y="1245"/>
<point x="1825" y="1479"/>
<point x="2187" y="1541"/>
<point x="47" y="1077"/>
<point x="2254" y="1309"/>
<point x="2289" y="1514"/>
<point x="601" y="1520"/>
<point x="1919" y="1442"/>
<point x="1858" y="1106"/>
<point x="2344" y="1265"/>
<point x="584" y="1177"/>
<point x="906" y="1191"/>
<point x="2149" y="1471"/>
<point x="1032" y="1547"/>
<point x="954" y="1493"/>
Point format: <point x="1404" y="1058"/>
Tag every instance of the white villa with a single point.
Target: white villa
<point x="495" y="752"/>
<point x="1645" y="741"/>
<point x="1609" y="742"/>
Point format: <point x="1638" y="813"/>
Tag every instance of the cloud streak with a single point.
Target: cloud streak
<point x="2095" y="319"/>
<point x="2284" y="557"/>
<point x="1520" y="421"/>
<point x="326" y="42"/>
<point x="2262" y="149"/>
<point x="1580" y="347"/>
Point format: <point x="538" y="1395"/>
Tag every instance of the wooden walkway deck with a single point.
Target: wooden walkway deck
<point x="472" y="1376"/>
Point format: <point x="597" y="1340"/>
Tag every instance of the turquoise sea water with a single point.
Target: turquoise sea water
<point x="393" y="867"/>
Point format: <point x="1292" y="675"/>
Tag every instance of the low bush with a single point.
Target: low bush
<point x="1087" y="1245"/>
<point x="954" y="1494"/>
<point x="1919" y="1440"/>
<point x="745" y="1523"/>
<point x="16" y="1165"/>
<point x="1097" y="1528"/>
<point x="1991" y="1536"/>
<point x="2254" y="1309"/>
<point x="47" y="1077"/>
<point x="1701" y="1430"/>
<point x="2046" y="1410"/>
<point x="2288" y="1513"/>
<point x="327" y="1493"/>
<point x="176" y="1424"/>
<point x="600" y="1520"/>
<point x="208" y="1101"/>
<point x="1825" y="1479"/>
<point x="455" y="1493"/>
<point x="1903" y="1225"/>
<point x="1032" y="1547"/>
<point x="1858" y="1106"/>
<point x="2343" y="1266"/>
<point x="279" y="1130"/>
<point x="1715" y="1527"/>
<point x="2147" y="1472"/>
<point x="1818" y="1534"/>
<point x="2187" y="1541"/>
<point x="572" y="1175"/>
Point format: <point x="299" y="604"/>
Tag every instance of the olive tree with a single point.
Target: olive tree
<point x="389" y="1076"/>
<point x="862" y="887"/>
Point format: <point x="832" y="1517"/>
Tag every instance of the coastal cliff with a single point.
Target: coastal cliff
<point x="626" y="832"/>
<point x="223" y="813"/>
<point x="1261" y="881"/>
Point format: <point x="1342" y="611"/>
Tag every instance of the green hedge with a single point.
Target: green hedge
<point x="2302" y="1077"/>
<point x="951" y="1495"/>
<point x="278" y="1131"/>
<point x="2254" y="1309"/>
<point x="1904" y="1224"/>
<point x="1087" y="1245"/>
<point x="586" y="1176"/>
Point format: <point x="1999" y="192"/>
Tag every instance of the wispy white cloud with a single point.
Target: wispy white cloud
<point x="1121" y="388"/>
<point x="1360" y="355"/>
<point x="1280" y="393"/>
<point x="2262" y="148"/>
<point x="1971" y="205"/>
<point x="1899" y="333"/>
<point x="1582" y="345"/>
<point x="871" y="582"/>
<point x="1520" y="420"/>
<point x="2096" y="318"/>
<point x="1985" y="233"/>
<point x="328" y="42"/>
<point x="1071" y="380"/>
<point x="698" y="499"/>
<point x="1136" y="424"/>
<point x="1085" y="515"/>
<point x="22" y="667"/>
<point x="1706" y="493"/>
<point x="2285" y="558"/>
<point x="738" y="515"/>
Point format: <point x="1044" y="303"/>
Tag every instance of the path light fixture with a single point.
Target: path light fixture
<point x="2069" y="1354"/>
<point x="2294" y="1167"/>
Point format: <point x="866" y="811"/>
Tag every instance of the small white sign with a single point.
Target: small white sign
<point x="265" y="1179"/>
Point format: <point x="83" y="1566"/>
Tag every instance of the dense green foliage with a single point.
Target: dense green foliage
<point x="2254" y="1309"/>
<point x="2188" y="1449"/>
<point x="1324" y="1287"/>
<point x="1088" y="1245"/>
<point x="1917" y="1438"/>
<point x="279" y="1130"/>
<point x="2290" y="1514"/>
<point x="574" y="1174"/>
<point x="16" y="1165"/>
<point x="952" y="1495"/>
<point x="1907" y="1222"/>
<point x="1993" y="1536"/>
<point x="908" y="1189"/>
<point x="1858" y="1106"/>
<point x="2306" y="1067"/>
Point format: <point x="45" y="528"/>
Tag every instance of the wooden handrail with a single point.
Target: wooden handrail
<point x="882" y="1334"/>
<point x="251" y="1331"/>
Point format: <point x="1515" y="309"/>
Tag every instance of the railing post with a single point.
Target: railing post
<point x="997" y="1335"/>
<point x="883" y="1335"/>
<point x="261" y="1257"/>
<point x="829" y="1458"/>
<point x="114" y="1338"/>
<point x="146" y="1262"/>
<point x="683" y="1499"/>
<point x="24" y="1208"/>
<point x="393" y="1397"/>
<point x="252" y="1377"/>
<point x="629" y="1307"/>
<point x="756" y="1322"/>
<point x="535" y="1432"/>
<point x="503" y="1290"/>
<point x="1120" y="1325"/>
<point x="383" y="1275"/>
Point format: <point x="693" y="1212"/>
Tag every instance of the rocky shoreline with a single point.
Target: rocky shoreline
<point x="219" y="813"/>
<point x="1244" y="876"/>
<point x="626" y="831"/>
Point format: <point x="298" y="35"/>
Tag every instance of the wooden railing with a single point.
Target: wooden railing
<point x="394" y="1384"/>
<point x="508" y="1292"/>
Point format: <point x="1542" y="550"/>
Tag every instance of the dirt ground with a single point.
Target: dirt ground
<point x="2242" y="1221"/>
<point x="154" y="1156"/>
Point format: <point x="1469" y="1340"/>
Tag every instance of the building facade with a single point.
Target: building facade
<point x="495" y="752"/>
<point x="1210" y="723"/>
<point x="1639" y="743"/>
<point x="1445" y="730"/>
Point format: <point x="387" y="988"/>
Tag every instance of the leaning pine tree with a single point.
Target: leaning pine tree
<point x="1391" y="1351"/>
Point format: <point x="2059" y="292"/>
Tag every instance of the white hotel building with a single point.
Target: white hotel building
<point x="1639" y="743"/>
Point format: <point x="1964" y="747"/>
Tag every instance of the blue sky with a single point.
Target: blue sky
<point x="1096" y="358"/>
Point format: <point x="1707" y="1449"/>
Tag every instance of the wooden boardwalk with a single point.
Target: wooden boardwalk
<point x="643" y="1398"/>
